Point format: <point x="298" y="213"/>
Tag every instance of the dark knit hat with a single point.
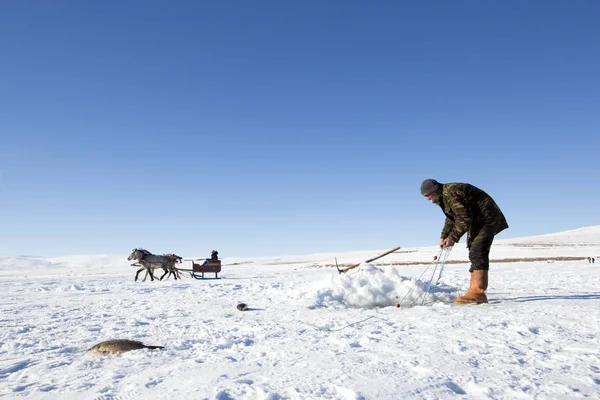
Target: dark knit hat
<point x="430" y="186"/>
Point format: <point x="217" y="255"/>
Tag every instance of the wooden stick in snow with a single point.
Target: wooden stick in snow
<point x="370" y="260"/>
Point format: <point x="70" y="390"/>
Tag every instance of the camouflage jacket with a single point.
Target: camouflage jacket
<point x="469" y="209"/>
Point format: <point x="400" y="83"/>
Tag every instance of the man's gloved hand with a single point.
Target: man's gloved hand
<point x="446" y="242"/>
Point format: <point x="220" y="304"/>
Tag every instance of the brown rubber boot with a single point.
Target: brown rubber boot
<point x="477" y="288"/>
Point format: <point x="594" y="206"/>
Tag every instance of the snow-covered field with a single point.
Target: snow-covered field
<point x="309" y="333"/>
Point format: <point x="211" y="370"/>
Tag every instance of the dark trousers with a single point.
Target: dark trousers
<point x="479" y="244"/>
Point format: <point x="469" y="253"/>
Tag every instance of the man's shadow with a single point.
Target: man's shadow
<point x="590" y="296"/>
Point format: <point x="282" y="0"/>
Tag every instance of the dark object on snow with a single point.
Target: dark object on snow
<point x="242" y="306"/>
<point x="117" y="346"/>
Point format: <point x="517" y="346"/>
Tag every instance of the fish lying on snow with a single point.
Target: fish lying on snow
<point x="117" y="346"/>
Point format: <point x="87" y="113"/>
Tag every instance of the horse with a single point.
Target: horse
<point x="151" y="261"/>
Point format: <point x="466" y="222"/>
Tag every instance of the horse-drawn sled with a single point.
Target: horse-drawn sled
<point x="197" y="268"/>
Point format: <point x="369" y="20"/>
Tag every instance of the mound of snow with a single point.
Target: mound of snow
<point x="370" y="287"/>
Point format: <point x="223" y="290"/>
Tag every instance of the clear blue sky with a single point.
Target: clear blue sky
<point x="290" y="127"/>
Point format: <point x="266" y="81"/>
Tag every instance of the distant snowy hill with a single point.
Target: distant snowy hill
<point x="576" y="243"/>
<point x="576" y="237"/>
